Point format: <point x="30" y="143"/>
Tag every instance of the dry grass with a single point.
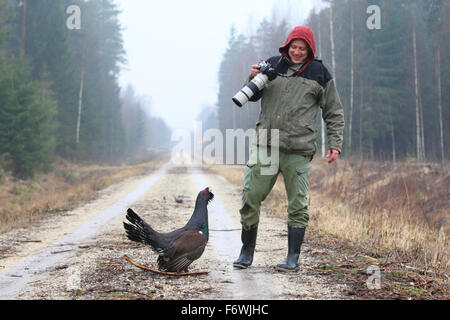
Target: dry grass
<point x="69" y="185"/>
<point x="396" y="211"/>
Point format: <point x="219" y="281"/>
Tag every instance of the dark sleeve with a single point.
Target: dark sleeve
<point x="332" y="112"/>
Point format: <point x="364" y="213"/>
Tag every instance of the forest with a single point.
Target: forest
<point x="391" y="65"/>
<point x="59" y="89"/>
<point x="60" y="93"/>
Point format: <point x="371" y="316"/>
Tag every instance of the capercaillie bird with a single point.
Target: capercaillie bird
<point x="179" y="248"/>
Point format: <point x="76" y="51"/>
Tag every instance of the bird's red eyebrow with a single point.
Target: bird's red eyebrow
<point x="204" y="192"/>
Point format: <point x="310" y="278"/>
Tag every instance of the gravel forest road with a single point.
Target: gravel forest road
<point x="79" y="255"/>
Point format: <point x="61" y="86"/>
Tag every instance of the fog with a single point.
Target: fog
<point x="174" y="48"/>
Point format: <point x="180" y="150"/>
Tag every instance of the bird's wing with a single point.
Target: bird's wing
<point x="184" y="250"/>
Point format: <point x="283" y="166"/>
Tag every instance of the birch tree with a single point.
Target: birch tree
<point x="352" y="77"/>
<point x="333" y="58"/>
<point x="439" y="96"/>
<point x="436" y="10"/>
<point x="419" y="150"/>
<point x="80" y="102"/>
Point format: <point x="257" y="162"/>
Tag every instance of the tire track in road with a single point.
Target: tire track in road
<point x="14" y="279"/>
<point x="249" y="284"/>
<point x="104" y="237"/>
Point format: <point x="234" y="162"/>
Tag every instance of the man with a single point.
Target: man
<point x="290" y="104"/>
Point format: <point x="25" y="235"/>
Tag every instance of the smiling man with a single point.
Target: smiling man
<point x="289" y="104"/>
<point x="298" y="51"/>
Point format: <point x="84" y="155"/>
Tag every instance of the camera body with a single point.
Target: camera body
<point x="267" y="73"/>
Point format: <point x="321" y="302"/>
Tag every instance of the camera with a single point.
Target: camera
<point x="267" y="73"/>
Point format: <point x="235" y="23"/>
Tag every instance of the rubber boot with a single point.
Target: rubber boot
<point x="295" y="240"/>
<point x="248" y="238"/>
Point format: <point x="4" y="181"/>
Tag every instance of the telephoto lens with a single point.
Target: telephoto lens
<point x="257" y="84"/>
<point x="254" y="86"/>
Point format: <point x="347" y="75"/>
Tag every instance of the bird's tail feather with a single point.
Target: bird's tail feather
<point x="139" y="230"/>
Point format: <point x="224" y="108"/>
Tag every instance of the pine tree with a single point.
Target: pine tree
<point x="27" y="111"/>
<point x="97" y="47"/>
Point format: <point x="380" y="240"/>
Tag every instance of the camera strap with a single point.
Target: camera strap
<point x="299" y="71"/>
<point x="296" y="73"/>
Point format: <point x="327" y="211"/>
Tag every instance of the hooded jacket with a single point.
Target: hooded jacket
<point x="290" y="103"/>
<point x="300" y="32"/>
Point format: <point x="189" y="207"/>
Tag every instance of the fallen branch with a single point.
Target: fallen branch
<point x="324" y="271"/>
<point x="62" y="251"/>
<point x="176" y="274"/>
<point x="367" y="257"/>
<point x="417" y="269"/>
<point x="347" y="265"/>
<point x="65" y="266"/>
<point x="26" y="241"/>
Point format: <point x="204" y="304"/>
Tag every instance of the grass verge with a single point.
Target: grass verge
<point x="394" y="213"/>
<point x="57" y="192"/>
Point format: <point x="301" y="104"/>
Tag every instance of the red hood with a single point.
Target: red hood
<point x="300" y="32"/>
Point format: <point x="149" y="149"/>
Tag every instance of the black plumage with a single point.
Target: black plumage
<point x="179" y="248"/>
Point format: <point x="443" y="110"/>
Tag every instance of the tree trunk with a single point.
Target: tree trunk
<point x="333" y="61"/>
<point x="80" y="93"/>
<point x="419" y="153"/>
<point x="322" y="122"/>
<point x="372" y="152"/>
<point x="80" y="99"/>
<point x="24" y="27"/>
<point x="361" y="102"/>
<point x="439" y="93"/>
<point x="422" y="131"/>
<point x="394" y="156"/>
<point x="371" y="116"/>
<point x="352" y="54"/>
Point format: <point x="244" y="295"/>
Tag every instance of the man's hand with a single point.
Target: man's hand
<point x="333" y="155"/>
<point x="255" y="70"/>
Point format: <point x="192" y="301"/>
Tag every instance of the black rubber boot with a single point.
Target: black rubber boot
<point x="248" y="238"/>
<point x="295" y="240"/>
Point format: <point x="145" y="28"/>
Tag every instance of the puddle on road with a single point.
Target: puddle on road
<point x="13" y="280"/>
<point x="245" y="284"/>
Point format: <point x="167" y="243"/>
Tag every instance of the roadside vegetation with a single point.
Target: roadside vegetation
<point x="69" y="185"/>
<point x="394" y="215"/>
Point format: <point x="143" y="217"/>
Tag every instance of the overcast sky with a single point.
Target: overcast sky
<point x="174" y="48"/>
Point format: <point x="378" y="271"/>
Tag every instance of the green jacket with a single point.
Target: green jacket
<point x="290" y="104"/>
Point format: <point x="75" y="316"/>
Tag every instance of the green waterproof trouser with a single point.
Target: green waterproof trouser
<point x="260" y="178"/>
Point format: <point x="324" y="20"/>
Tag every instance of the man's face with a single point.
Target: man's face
<point x="298" y="51"/>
